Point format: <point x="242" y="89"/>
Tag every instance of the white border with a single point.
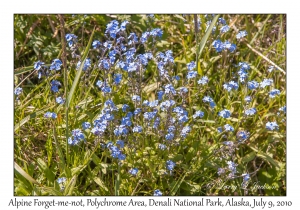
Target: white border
<point x="153" y="6"/>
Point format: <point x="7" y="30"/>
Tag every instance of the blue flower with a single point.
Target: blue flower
<point x="60" y="100"/>
<point x="120" y="143"/>
<point x="283" y="109"/>
<point x="177" y="78"/>
<point x="55" y="85"/>
<point x="274" y="92"/>
<point x="183" y="90"/>
<point x="171" y="128"/>
<point x="224" y="113"/>
<point x="160" y="94"/>
<point x="133" y="171"/>
<point x="123" y="25"/>
<point x="71" y="39"/>
<point x="86" y="65"/>
<point x="96" y="44"/>
<point x="170" y="165"/>
<point x="272" y="126"/>
<point x="191" y="65"/>
<point x="250" y="111"/>
<point x="112" y="28"/>
<point x="266" y="82"/>
<point x="241" y="34"/>
<point x="132" y="38"/>
<point x="222" y="21"/>
<point x="209" y="100"/>
<point x="218" y="45"/>
<point x="248" y="99"/>
<point x="137" y="129"/>
<point x="129" y="114"/>
<point x="231" y="166"/>
<point x="246" y="177"/>
<point x="228" y="127"/>
<point x="271" y="68"/>
<point x="169" y="136"/>
<point x="152" y="104"/>
<point x="253" y="85"/>
<point x="149" y="115"/>
<point x="86" y="125"/>
<point x="166" y="104"/>
<point x="118" y="78"/>
<point x="244" y="66"/>
<point x="219" y="129"/>
<point x="132" y="67"/>
<point x="77" y="136"/>
<point x="137" y="111"/>
<point x="55" y="65"/>
<point x="61" y="180"/>
<point x="125" y="107"/>
<point x="136" y="98"/>
<point x="191" y="74"/>
<point x="105" y="88"/>
<point x="50" y="115"/>
<point x="99" y="83"/>
<point x="115" y="152"/>
<point x="230" y="46"/>
<point x="224" y="29"/>
<point x="157" y="193"/>
<point x="185" y="131"/>
<point x="228" y="143"/>
<point x="121" y="130"/>
<point x="203" y="80"/>
<point x="104" y="64"/>
<point x="145" y="36"/>
<point x="18" y="91"/>
<point x="156" y="123"/>
<point x="156" y="32"/>
<point x="170" y="89"/>
<point x="38" y="65"/>
<point x="198" y="114"/>
<point x="162" y="146"/>
<point x="231" y="85"/>
<point x="242" y="135"/>
<point x="107" y="45"/>
<point x="221" y="171"/>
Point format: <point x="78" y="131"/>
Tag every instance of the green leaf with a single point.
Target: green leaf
<point x="76" y="80"/>
<point x="61" y="162"/>
<point x="269" y="159"/>
<point x="70" y="186"/>
<point x="249" y="157"/>
<point x="49" y="149"/>
<point x="205" y="37"/>
<point x="44" y="168"/>
<point x="177" y="185"/>
<point x="24" y="174"/>
<point x="101" y="184"/>
<point x="51" y="191"/>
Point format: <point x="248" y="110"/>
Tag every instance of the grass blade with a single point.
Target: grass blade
<point x="25" y="175"/>
<point x="76" y="80"/>
<point x="61" y="163"/>
<point x="205" y="38"/>
<point x="70" y="186"/>
<point x="51" y="191"/>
